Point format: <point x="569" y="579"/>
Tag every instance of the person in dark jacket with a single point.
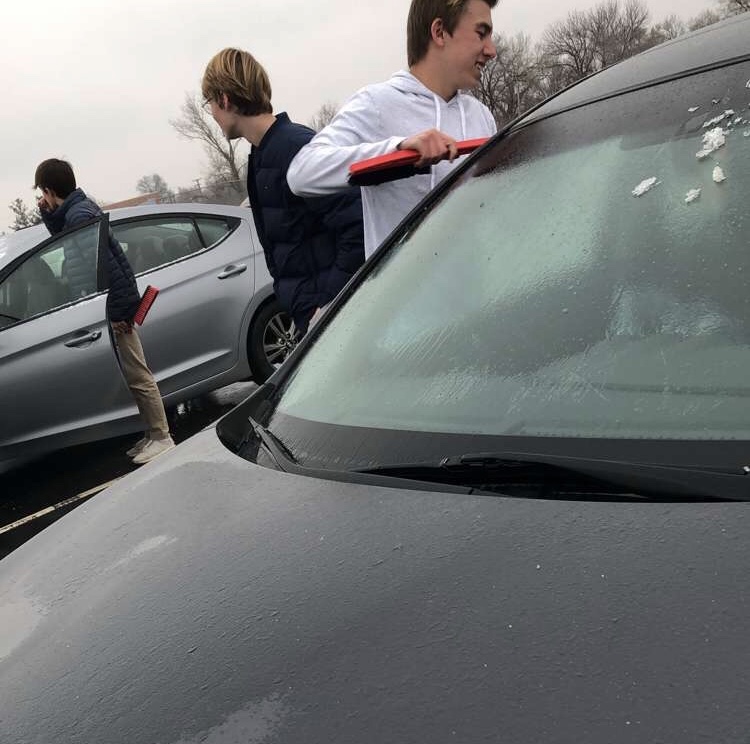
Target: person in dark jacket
<point x="312" y="247"/>
<point x="64" y="206"/>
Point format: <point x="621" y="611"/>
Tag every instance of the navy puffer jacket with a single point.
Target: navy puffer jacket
<point x="312" y="246"/>
<point x="123" y="297"/>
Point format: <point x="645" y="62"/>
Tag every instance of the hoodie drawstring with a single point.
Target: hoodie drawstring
<point x="438" y="122"/>
<point x="436" y="101"/>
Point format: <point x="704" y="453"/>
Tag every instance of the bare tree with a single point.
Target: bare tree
<point x="512" y="82"/>
<point x="323" y="116"/>
<point x="581" y="44"/>
<point x="734" y="7"/>
<point x="155" y="184"/>
<point x="568" y="45"/>
<point x="726" y="8"/>
<point x="706" y="18"/>
<point x="670" y="28"/>
<point x="213" y="192"/>
<point x="225" y="157"/>
<point x="23" y="216"/>
<point x="586" y="42"/>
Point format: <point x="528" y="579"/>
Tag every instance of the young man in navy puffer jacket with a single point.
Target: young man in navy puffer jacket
<point x="312" y="246"/>
<point x="63" y="206"/>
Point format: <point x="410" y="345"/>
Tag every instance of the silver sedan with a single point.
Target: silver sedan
<point x="215" y="321"/>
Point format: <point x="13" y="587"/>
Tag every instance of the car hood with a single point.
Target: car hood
<point x="204" y="598"/>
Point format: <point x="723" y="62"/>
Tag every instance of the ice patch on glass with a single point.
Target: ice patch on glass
<point x="712" y="141"/>
<point x="645" y="186"/>
<point x="716" y="120"/>
<point x="692" y="195"/>
<point x="719" y="175"/>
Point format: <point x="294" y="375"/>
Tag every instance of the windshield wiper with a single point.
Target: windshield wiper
<point x="276" y="448"/>
<point x="557" y="474"/>
<point x="536" y="475"/>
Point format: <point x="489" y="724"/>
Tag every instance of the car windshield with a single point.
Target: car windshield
<point x="589" y="277"/>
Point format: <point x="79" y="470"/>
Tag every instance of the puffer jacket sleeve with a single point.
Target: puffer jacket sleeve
<point x="53" y="222"/>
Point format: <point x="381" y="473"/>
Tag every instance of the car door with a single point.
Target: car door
<point x="202" y="265"/>
<point x="60" y="377"/>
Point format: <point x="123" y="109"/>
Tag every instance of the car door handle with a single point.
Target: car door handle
<point x="89" y="338"/>
<point x="232" y="271"/>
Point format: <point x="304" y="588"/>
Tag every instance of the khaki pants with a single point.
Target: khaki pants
<point x="142" y="384"/>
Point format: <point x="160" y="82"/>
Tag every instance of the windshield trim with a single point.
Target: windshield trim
<point x="617" y="480"/>
<point x="379" y="445"/>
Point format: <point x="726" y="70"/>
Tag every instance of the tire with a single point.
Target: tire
<point x="270" y="341"/>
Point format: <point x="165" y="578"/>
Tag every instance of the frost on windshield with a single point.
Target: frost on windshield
<point x="692" y="195"/>
<point x="712" y="141"/>
<point x="718" y="174"/>
<point x="693" y="109"/>
<point x="645" y="186"/>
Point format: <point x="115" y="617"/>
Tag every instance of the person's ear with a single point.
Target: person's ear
<point x="437" y="31"/>
<point x="223" y="101"/>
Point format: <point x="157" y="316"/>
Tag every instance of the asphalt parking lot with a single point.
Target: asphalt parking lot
<point x="60" y="478"/>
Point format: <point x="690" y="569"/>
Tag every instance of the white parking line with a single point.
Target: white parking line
<point x="60" y="505"/>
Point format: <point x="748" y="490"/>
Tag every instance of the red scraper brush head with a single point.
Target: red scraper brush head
<point x="146" y="301"/>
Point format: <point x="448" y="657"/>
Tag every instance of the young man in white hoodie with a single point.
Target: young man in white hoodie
<point x="448" y="43"/>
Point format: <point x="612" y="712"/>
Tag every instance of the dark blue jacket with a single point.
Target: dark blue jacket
<point x="123" y="297"/>
<point x="312" y="246"/>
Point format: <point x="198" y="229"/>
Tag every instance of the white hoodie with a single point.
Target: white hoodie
<point x="373" y="122"/>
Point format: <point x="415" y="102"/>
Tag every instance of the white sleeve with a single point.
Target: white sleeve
<point x="321" y="167"/>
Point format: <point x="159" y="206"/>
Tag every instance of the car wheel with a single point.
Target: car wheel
<point x="271" y="340"/>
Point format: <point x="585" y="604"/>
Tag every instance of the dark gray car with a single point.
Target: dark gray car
<point x="215" y="321"/>
<point x="497" y="495"/>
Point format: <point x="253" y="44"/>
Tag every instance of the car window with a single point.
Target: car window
<point x="214" y="229"/>
<point x="589" y="277"/>
<point x="151" y="243"/>
<point x="62" y="272"/>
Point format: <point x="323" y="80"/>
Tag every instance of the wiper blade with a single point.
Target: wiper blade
<point x="272" y="443"/>
<point x="562" y="474"/>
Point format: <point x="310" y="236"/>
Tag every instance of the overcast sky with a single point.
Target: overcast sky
<point x="96" y="81"/>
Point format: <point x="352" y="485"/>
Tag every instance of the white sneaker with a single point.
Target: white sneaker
<point x="154" y="448"/>
<point x="138" y="446"/>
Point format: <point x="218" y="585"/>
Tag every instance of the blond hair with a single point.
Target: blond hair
<point x="239" y="76"/>
<point x="422" y="13"/>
